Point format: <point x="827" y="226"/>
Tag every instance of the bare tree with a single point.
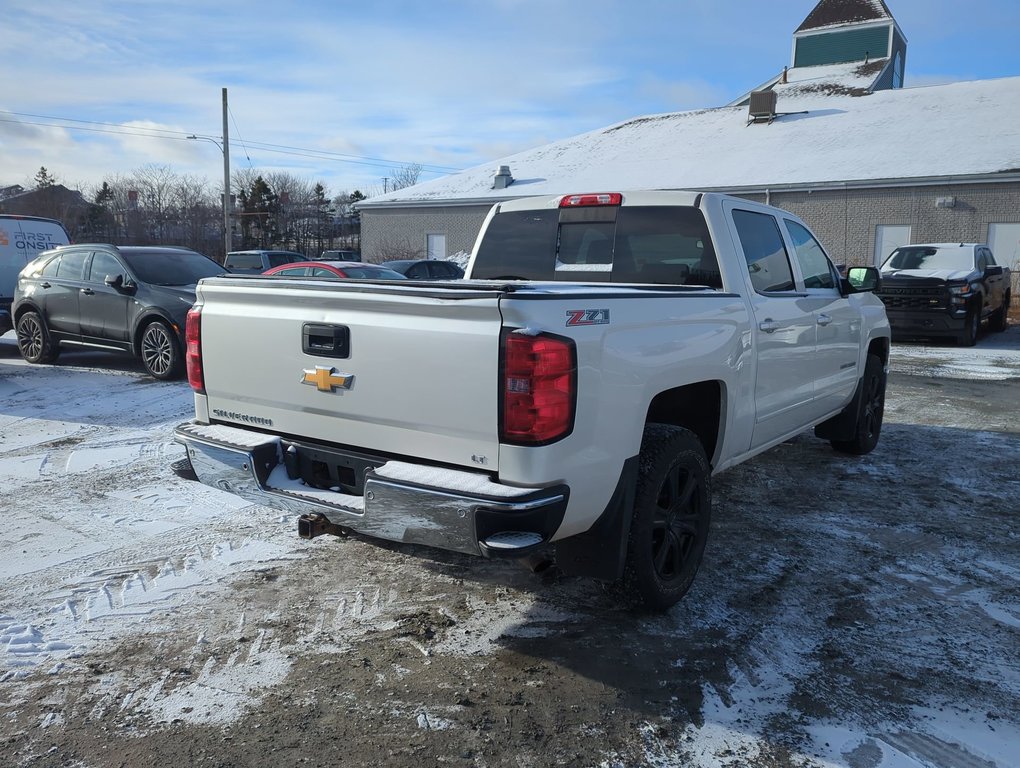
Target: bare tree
<point x="405" y="177"/>
<point x="198" y="215"/>
<point x="394" y="248"/>
<point x="155" y="186"/>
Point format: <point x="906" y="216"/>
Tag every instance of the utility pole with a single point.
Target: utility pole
<point x="385" y="181"/>
<point x="227" y="206"/>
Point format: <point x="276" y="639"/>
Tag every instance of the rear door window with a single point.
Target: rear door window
<point x="767" y="260"/>
<point x="72" y="264"/>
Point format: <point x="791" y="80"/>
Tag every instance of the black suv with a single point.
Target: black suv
<point x="130" y="298"/>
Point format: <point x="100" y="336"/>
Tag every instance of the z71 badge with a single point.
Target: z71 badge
<point x="587" y="317"/>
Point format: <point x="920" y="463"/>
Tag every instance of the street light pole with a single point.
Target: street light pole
<point x="226" y="183"/>
<point x="227" y="206"/>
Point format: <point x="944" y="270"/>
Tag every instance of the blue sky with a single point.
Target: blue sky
<point x="347" y="93"/>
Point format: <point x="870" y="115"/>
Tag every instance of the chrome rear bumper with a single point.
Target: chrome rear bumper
<point x="419" y="504"/>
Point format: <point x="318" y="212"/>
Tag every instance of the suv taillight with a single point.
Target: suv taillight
<point x="539" y="388"/>
<point x="193" y="353"/>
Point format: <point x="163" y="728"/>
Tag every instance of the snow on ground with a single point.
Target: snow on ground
<point x="99" y="542"/>
<point x="100" y="545"/>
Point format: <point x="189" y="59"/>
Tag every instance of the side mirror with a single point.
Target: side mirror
<point x="993" y="270"/>
<point x="863" y="279"/>
<point x="114" y="281"/>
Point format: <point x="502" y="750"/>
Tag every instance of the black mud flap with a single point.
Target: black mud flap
<point x="842" y="426"/>
<point x="600" y="552"/>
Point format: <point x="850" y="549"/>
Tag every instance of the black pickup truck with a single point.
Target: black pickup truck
<point x="945" y="289"/>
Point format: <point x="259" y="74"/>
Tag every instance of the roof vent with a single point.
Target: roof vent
<point x="503" y="179"/>
<point x="762" y="107"/>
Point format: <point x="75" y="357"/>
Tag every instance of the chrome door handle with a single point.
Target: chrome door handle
<point x="88" y="291"/>
<point x="769" y="326"/>
<point x="824" y="319"/>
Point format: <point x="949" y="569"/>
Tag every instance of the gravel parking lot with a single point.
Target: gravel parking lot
<point x="858" y="612"/>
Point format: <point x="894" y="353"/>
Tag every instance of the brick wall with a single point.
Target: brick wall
<point x="846" y="221"/>
<point x="401" y="233"/>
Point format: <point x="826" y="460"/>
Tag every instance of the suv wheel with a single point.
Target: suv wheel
<point x="160" y="354"/>
<point x="34" y="340"/>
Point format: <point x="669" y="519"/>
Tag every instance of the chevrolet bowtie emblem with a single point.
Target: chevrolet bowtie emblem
<point x="327" y="379"/>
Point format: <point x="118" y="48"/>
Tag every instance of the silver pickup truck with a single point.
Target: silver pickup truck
<point x="607" y="354"/>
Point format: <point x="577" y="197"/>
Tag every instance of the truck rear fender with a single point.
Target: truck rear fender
<point x="697" y="407"/>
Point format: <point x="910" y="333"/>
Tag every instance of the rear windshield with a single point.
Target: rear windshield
<point x="628" y="244"/>
<point x="931" y="258"/>
<point x="171" y="267"/>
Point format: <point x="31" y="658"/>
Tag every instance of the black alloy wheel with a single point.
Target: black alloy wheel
<point x="672" y="512"/>
<point x="34" y="341"/>
<point x="871" y="411"/>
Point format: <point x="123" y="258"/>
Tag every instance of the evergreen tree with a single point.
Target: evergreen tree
<point x="43" y="179"/>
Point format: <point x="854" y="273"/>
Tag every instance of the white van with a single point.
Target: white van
<point x="22" y="238"/>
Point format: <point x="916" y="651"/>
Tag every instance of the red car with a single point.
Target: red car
<point x="350" y="269"/>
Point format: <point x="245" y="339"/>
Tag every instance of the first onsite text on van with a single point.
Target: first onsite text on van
<point x="22" y="238"/>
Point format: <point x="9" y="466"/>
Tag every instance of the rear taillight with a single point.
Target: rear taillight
<point x="599" y="198"/>
<point x="539" y="388"/>
<point x="193" y="353"/>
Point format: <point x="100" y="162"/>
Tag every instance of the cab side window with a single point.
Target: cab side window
<point x="767" y="260"/>
<point x="814" y="264"/>
<point x="982" y="260"/>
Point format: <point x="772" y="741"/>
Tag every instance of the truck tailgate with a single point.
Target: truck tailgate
<point x="413" y="372"/>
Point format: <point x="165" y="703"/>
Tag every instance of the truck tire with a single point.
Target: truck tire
<point x="968" y="336"/>
<point x="999" y="321"/>
<point x="160" y="353"/>
<point x="34" y="341"/>
<point x="870" y="410"/>
<point x="672" y="511"/>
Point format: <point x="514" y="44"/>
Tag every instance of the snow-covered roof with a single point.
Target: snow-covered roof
<point x="852" y="78"/>
<point x="960" y="129"/>
<point x="829" y="14"/>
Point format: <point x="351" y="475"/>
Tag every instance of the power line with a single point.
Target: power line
<point x="237" y="132"/>
<point x="166" y="133"/>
